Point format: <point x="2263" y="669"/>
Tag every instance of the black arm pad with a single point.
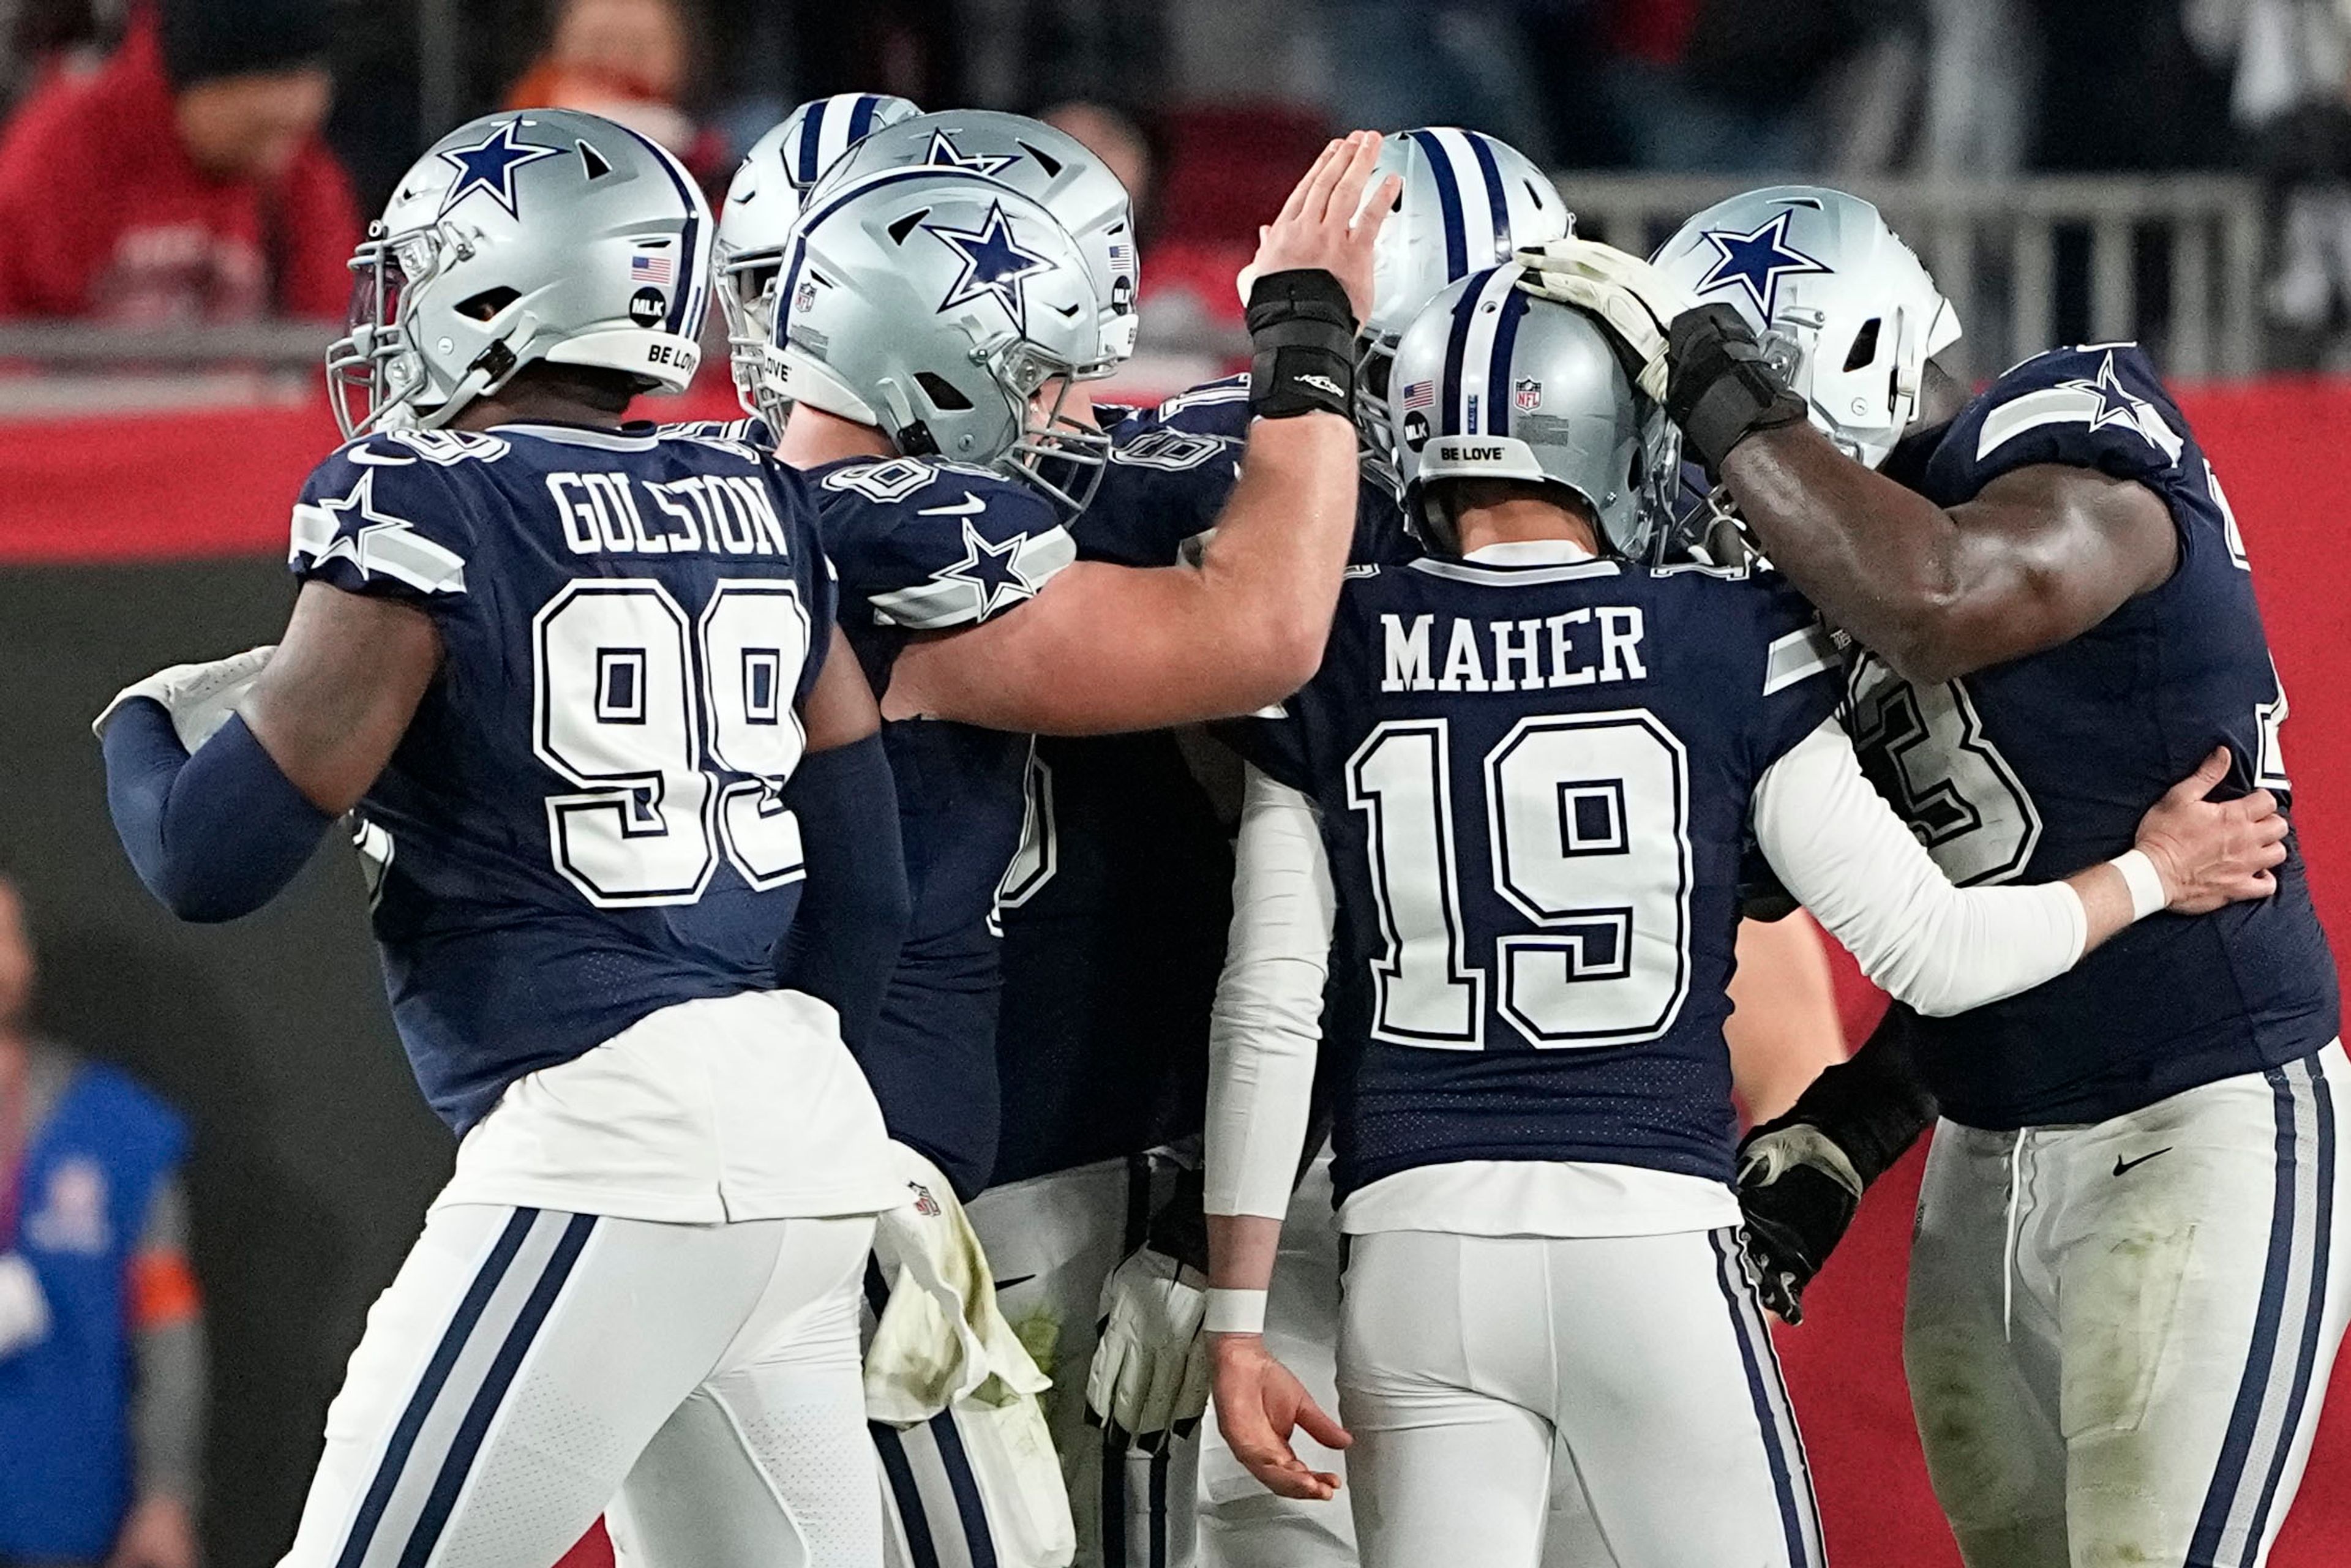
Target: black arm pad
<point x="1301" y="345"/>
<point x="843" y="944"/>
<point x="1719" y="387"/>
<point x="1875" y="1107"/>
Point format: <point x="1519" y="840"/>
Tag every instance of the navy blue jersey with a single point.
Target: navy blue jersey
<point x="927" y="546"/>
<point x="581" y="825"/>
<point x="1534" y="784"/>
<point x="2036" y="767"/>
<point x="1115" y="914"/>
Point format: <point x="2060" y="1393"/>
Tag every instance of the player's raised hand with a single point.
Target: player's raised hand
<point x="2211" y="852"/>
<point x="1328" y="224"/>
<point x="1258" y="1404"/>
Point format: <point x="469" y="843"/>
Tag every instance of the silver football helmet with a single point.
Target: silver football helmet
<point x="1049" y="167"/>
<point x="935" y="304"/>
<point x="1492" y="382"/>
<point x="1469" y="201"/>
<point x="536" y="234"/>
<point x="763" y="201"/>
<point x="1844" y="309"/>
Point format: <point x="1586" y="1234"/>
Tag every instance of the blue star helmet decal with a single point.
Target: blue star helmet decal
<point x="1756" y="262"/>
<point x="2115" y="404"/>
<point x="993" y="569"/>
<point x="489" y="165"/>
<point x="944" y="155"/>
<point x="993" y="263"/>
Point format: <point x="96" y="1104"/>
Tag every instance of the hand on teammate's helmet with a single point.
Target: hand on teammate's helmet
<point x="1150" y="1372"/>
<point x="1636" y="301"/>
<point x="1328" y="222"/>
<point x="1798" y="1191"/>
<point x="199" y="697"/>
<point x="1719" y="388"/>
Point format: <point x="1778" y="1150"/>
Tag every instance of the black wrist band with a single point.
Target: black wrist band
<point x="1873" y="1106"/>
<point x="1719" y="388"/>
<point x="1301" y="346"/>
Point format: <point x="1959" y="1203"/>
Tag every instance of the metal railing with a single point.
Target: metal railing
<point x="2172" y="259"/>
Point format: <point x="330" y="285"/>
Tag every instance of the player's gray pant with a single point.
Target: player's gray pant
<point x="2118" y="1334"/>
<point x="1051" y="1241"/>
<point x="1474" y="1370"/>
<point x="528" y="1367"/>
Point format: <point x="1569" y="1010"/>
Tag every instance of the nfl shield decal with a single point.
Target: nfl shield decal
<point x="1526" y="395"/>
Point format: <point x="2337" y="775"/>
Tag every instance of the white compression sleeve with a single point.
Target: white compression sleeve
<point x="1266" y="1025"/>
<point x="1845" y="856"/>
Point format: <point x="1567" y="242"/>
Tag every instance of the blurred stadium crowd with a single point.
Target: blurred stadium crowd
<point x="232" y="145"/>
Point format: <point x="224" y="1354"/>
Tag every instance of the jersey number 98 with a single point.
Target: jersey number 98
<point x="679" y="736"/>
<point x="1587" y="846"/>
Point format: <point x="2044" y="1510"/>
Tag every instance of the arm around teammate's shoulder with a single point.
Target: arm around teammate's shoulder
<point x="1104" y="648"/>
<point x="1940" y="949"/>
<point x="2040" y="555"/>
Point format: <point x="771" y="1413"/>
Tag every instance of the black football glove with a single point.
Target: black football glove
<point x="1719" y="387"/>
<point x="1798" y="1191"/>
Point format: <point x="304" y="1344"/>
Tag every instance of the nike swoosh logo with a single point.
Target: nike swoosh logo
<point x="2122" y="1165"/>
<point x="970" y="506"/>
<point x="1016" y="1280"/>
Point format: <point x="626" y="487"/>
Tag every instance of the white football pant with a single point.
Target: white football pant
<point x="1051" y="1241"/>
<point x="1477" y="1372"/>
<point x="527" y="1367"/>
<point x="1242" y="1525"/>
<point x="2118" y="1334"/>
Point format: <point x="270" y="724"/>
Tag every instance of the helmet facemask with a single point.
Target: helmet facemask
<point x="1058" y="454"/>
<point x="747" y="296"/>
<point x="373" y="363"/>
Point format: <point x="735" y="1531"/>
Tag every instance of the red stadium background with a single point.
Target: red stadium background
<point x="216" y="485"/>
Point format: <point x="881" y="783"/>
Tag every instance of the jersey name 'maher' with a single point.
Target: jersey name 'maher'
<point x="1578" y="648"/>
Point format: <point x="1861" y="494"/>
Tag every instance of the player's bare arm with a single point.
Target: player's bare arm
<point x="1107" y="648"/>
<point x="222" y="789"/>
<point x="1265" y="1033"/>
<point x="2042" y="555"/>
<point x="839" y="710"/>
<point x="340" y="691"/>
<point x="1259" y="1402"/>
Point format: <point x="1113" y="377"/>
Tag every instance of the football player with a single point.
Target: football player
<point x="1114" y="928"/>
<point x="581" y="688"/>
<point x="931" y="322"/>
<point x="2123" y="1311"/>
<point x="1536" y="758"/>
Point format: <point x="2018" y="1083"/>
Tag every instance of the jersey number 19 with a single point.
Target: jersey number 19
<point x="1587" y="843"/>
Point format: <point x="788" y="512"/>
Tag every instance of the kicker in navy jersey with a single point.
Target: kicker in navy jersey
<point x="581" y="826"/>
<point x="2028" y="769"/>
<point x="1511" y="742"/>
